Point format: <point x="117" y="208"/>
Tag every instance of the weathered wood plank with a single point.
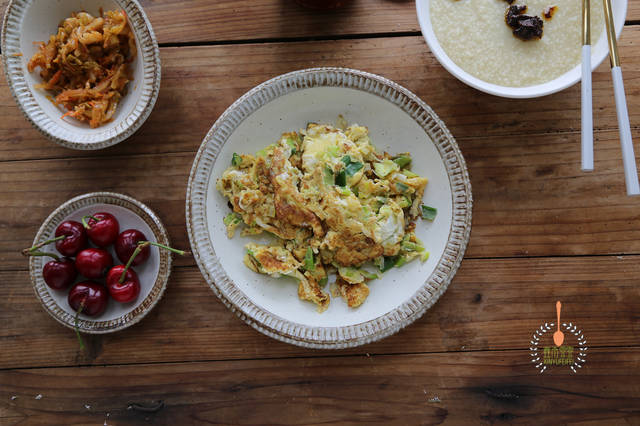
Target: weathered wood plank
<point x="199" y="83"/>
<point x="491" y="304"/>
<point x="227" y="20"/>
<point x="205" y="20"/>
<point x="460" y="388"/>
<point x="531" y="199"/>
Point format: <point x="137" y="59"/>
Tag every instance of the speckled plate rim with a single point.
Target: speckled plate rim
<point x="14" y="73"/>
<point x="281" y="328"/>
<point x="135" y="315"/>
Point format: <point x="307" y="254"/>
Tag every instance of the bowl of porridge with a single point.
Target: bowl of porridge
<point x="517" y="49"/>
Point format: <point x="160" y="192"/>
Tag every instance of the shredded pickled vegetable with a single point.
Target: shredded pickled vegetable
<point x="86" y="64"/>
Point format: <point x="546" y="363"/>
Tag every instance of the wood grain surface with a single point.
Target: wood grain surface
<point x="530" y="198"/>
<point x="199" y="21"/>
<point x="491" y="305"/>
<point x="473" y="388"/>
<point x="197" y="87"/>
<point x="542" y="231"/>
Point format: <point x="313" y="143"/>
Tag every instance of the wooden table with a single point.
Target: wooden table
<point x="542" y="231"/>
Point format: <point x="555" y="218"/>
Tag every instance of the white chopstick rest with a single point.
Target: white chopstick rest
<point x="587" y="110"/>
<point x="626" y="143"/>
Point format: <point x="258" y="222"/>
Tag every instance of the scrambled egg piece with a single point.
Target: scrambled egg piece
<point x="333" y="203"/>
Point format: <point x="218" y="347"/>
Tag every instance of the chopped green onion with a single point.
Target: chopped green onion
<point x="409" y="173"/>
<point x="356" y="191"/>
<point x="344" y="191"/>
<point x="353" y="168"/>
<point x="328" y="176"/>
<point x="409" y="246"/>
<point x="351" y="275"/>
<point x="293" y="145"/>
<point x="404" y="202"/>
<point x="333" y="150"/>
<point x="264" y="152"/>
<point x="341" y="178"/>
<point x="388" y="263"/>
<point x="323" y="281"/>
<point x="346" y="160"/>
<point x="369" y="275"/>
<point x="425" y="256"/>
<point x="309" y="264"/>
<point x="401" y="187"/>
<point x="236" y="160"/>
<point x="429" y="213"/>
<point x="401" y="261"/>
<point x="232" y="218"/>
<point x="402" y="160"/>
<point x="384" y="168"/>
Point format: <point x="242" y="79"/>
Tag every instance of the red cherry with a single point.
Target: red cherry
<point x="93" y="262"/>
<point x="126" y="244"/>
<point x="102" y="228"/>
<point x="75" y="238"/>
<point x="128" y="290"/>
<point x="59" y="274"/>
<point x="92" y="295"/>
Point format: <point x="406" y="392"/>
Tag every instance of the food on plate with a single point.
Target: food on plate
<point x="86" y="64"/>
<point x="102" y="228"/>
<point x="93" y="262"/>
<point x="88" y="297"/>
<point x="126" y="244"/>
<point x="525" y="27"/>
<point x="121" y="283"/>
<point x="333" y="203"/>
<point x="475" y="37"/>
<point x="71" y="238"/>
<point x="123" y="290"/>
<point x="59" y="273"/>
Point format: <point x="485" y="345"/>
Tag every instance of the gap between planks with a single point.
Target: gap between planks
<point x="94" y="155"/>
<point x="296" y="357"/>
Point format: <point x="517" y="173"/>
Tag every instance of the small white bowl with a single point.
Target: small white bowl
<point x="600" y="51"/>
<point x="153" y="274"/>
<point x="29" y="21"/>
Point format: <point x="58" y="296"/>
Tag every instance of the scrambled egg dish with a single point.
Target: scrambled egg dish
<point x="333" y="203"/>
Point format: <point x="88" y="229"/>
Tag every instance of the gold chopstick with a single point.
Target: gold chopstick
<point x="586" y="24"/>
<point x="611" y="34"/>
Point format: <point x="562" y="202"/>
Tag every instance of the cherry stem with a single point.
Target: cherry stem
<point x="130" y="261"/>
<point x="171" y="249"/>
<point x="140" y="247"/>
<point x="84" y="220"/>
<point x="42" y="244"/>
<point x="42" y="253"/>
<point x="75" y="323"/>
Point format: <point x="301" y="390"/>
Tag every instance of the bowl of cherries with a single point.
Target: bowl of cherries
<point x="100" y="262"/>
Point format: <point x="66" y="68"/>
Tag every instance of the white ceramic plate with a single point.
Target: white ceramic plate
<point x="29" y="21"/>
<point x="398" y="122"/>
<point x="599" y="52"/>
<point x="153" y="274"/>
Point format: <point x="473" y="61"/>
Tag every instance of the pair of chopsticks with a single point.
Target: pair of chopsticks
<point x="626" y="143"/>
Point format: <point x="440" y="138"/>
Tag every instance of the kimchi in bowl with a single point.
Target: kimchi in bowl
<point x="26" y="23"/>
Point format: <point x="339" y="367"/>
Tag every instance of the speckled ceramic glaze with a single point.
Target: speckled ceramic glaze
<point x="398" y="121"/>
<point x="153" y="274"/>
<point x="29" y="21"/>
